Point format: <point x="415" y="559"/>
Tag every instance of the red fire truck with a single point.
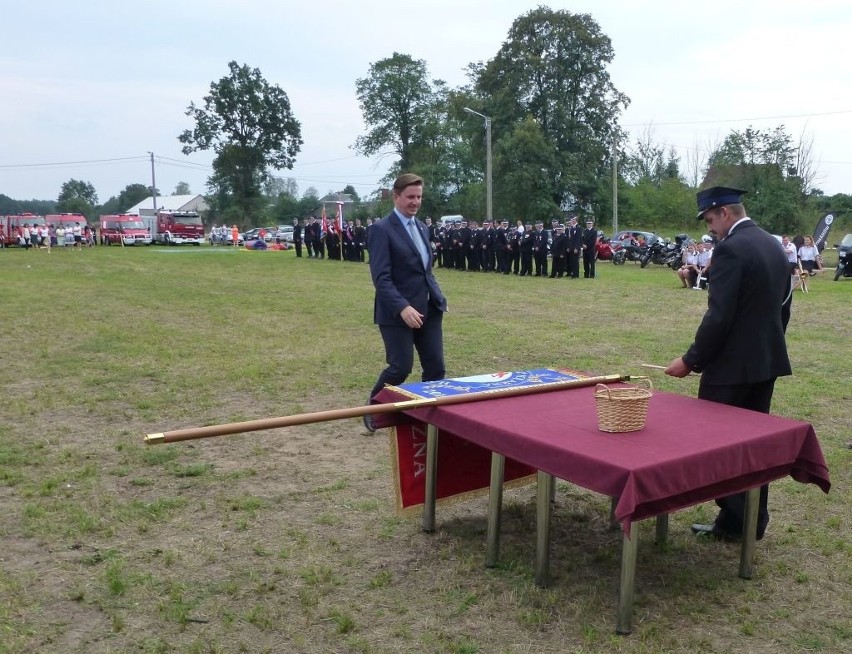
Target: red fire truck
<point x="177" y="227"/>
<point x="128" y="228"/>
<point x="12" y="226"/>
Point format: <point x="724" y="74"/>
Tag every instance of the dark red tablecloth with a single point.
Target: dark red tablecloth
<point x="690" y="450"/>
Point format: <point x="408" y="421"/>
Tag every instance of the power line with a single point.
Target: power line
<point x="182" y="161"/>
<point x="741" y="120"/>
<point x="73" y="163"/>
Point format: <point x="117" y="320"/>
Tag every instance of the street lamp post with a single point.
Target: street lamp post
<point x="488" y="206"/>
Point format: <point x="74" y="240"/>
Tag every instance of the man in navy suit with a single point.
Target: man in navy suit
<point x="739" y="347"/>
<point x="409" y="305"/>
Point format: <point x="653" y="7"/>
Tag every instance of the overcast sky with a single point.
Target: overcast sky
<point x="103" y="80"/>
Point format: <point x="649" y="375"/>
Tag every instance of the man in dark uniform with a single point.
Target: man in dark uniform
<point x="739" y="347"/>
<point x="472" y="251"/>
<point x="590" y="249"/>
<point x="540" y="249"/>
<point x="360" y="240"/>
<point x="298" y="230"/>
<point x="501" y="247"/>
<point x="463" y="240"/>
<point x="575" y="247"/>
<point x="515" y="235"/>
<point x="558" y="251"/>
<point x="309" y="237"/>
<point x="526" y="248"/>
<point x="486" y="247"/>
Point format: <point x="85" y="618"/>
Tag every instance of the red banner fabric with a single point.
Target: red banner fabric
<point x="464" y="468"/>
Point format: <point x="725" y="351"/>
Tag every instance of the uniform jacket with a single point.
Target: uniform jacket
<point x="398" y="273"/>
<point x="741" y="338"/>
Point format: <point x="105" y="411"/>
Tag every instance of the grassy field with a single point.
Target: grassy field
<point x="287" y="541"/>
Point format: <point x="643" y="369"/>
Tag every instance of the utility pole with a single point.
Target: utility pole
<point x="153" y="183"/>
<point x="488" y="194"/>
<point x="614" y="185"/>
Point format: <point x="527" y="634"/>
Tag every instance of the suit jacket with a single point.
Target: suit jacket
<point x="398" y="273"/>
<point x="741" y="337"/>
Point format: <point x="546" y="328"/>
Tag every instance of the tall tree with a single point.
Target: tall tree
<point x="77" y="196"/>
<point x="395" y="99"/>
<point x="523" y="161"/>
<point x="553" y="67"/>
<point x="182" y="188"/>
<point x="350" y="190"/>
<point x="762" y="162"/>
<point x="249" y="125"/>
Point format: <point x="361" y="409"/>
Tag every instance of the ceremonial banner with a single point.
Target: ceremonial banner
<point x="464" y="469"/>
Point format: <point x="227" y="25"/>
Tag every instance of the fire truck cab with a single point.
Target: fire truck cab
<point x="178" y="227"/>
<point x="124" y="228"/>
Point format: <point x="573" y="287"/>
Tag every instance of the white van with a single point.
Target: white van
<point x="449" y="220"/>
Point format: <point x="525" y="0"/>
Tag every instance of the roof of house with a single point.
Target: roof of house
<point x="345" y="198"/>
<point x="169" y="202"/>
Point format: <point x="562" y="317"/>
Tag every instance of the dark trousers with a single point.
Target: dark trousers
<point x="589" y="257"/>
<point x="757" y="397"/>
<point x="526" y="263"/>
<point x="298" y="245"/>
<point x="572" y="264"/>
<point x="400" y="344"/>
<point x="540" y="263"/>
<point x="558" y="268"/>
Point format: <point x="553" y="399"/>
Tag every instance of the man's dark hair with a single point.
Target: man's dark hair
<point x="405" y="180"/>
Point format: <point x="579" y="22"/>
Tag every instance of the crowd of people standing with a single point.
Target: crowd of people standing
<point x="44" y="236"/>
<point x="523" y="249"/>
<point x="348" y="243"/>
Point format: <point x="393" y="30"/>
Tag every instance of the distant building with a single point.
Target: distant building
<point x="330" y="203"/>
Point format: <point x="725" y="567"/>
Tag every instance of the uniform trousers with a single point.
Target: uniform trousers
<point x="757" y="397"/>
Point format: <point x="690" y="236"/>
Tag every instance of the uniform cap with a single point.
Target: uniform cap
<point x="717" y="196"/>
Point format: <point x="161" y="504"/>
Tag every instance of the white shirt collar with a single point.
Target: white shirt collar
<point x="734" y="226"/>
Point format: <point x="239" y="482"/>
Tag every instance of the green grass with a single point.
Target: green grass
<point x="287" y="540"/>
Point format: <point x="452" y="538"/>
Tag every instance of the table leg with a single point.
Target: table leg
<point x="629" y="545"/>
<point x="428" y="519"/>
<point x="542" y="523"/>
<point x="613" y="521"/>
<point x="749" y="533"/>
<point x="495" y="509"/>
<point x="662" y="532"/>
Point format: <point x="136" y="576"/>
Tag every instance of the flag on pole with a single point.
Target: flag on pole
<point x="339" y="222"/>
<point x="821" y="230"/>
<point x="324" y="223"/>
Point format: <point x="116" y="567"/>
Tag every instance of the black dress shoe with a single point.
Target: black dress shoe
<point x="368" y="423"/>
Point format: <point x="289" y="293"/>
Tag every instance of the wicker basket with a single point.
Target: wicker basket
<point x="622" y="409"/>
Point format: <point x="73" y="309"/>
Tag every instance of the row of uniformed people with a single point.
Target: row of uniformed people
<point x="497" y="247"/>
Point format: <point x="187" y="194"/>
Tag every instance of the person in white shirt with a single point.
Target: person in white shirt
<point x="790" y="251"/>
<point x="808" y="255"/>
<point x="688" y="272"/>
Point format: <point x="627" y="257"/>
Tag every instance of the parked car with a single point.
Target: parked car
<point x="284" y="233"/>
<point x="254" y="233"/>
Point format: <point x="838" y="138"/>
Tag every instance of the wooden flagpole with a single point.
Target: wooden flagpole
<point x="372" y="409"/>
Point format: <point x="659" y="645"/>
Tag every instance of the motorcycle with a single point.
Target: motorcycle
<point x="844" y="258"/>
<point x="627" y="252"/>
<point x="604" y="249"/>
<point x="661" y="252"/>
